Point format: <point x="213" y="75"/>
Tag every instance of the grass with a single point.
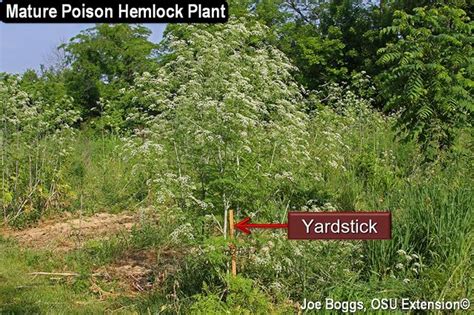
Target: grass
<point x="22" y="293"/>
<point x="99" y="176"/>
<point x="432" y="226"/>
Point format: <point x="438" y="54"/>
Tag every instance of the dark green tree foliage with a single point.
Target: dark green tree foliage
<point x="319" y="57"/>
<point x="330" y="39"/>
<point x="429" y="74"/>
<point x="325" y="39"/>
<point x="104" y="59"/>
<point x="47" y="86"/>
<point x="353" y="20"/>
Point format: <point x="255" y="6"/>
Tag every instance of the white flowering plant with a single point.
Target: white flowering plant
<point x="34" y="143"/>
<point x="223" y="117"/>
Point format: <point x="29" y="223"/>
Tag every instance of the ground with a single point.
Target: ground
<point x="71" y="262"/>
<point x="66" y="233"/>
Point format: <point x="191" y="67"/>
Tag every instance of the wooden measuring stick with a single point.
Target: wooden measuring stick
<point x="232" y="246"/>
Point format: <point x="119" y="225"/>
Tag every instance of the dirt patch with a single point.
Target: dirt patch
<point x="131" y="273"/>
<point x="134" y="272"/>
<point x="138" y="271"/>
<point x="72" y="233"/>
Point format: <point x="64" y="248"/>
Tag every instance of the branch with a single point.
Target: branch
<point x="294" y="6"/>
<point x="60" y="274"/>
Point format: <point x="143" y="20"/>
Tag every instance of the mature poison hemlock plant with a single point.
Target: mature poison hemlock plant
<point x="227" y="117"/>
<point x="33" y="143"/>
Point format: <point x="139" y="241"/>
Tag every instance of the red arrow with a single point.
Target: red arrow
<point x="244" y="225"/>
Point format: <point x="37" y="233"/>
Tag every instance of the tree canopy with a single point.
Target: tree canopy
<point x="104" y="59"/>
<point x="429" y="74"/>
<point x="418" y="55"/>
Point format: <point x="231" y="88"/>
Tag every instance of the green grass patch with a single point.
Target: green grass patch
<point x="21" y="292"/>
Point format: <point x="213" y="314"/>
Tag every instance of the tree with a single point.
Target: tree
<point x="104" y="59"/>
<point x="319" y="57"/>
<point x="429" y="75"/>
<point x="330" y="40"/>
<point x="47" y="86"/>
<point x="324" y="39"/>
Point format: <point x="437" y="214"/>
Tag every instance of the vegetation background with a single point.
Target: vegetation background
<point x="315" y="106"/>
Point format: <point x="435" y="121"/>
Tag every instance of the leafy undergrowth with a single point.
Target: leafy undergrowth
<point x="179" y="263"/>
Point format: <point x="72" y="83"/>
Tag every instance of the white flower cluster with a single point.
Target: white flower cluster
<point x="182" y="234"/>
<point x="408" y="267"/>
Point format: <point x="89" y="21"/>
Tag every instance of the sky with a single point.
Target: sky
<point x="27" y="46"/>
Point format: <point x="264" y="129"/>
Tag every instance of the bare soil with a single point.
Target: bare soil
<point x="140" y="271"/>
<point x="71" y="233"/>
<point x="133" y="272"/>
